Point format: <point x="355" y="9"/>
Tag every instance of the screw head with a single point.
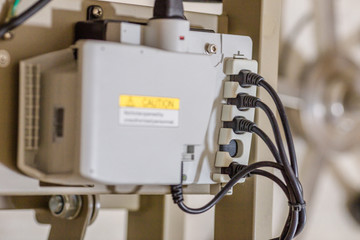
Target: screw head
<point x="56" y="204"/>
<point x="8" y="36"/>
<point x="184" y="177"/>
<point x="4" y="58"/>
<point x="97" y="12"/>
<point x="211" y="48"/>
<point x="65" y="206"/>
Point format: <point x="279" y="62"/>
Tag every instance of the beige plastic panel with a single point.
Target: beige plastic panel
<point x="231" y="89"/>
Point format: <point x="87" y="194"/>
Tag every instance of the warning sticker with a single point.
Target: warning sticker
<point x="149" y="111"/>
<point x="149" y="102"/>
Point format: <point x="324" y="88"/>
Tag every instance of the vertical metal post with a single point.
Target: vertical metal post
<point x="248" y="213"/>
<point x="325" y="25"/>
<point x="148" y="221"/>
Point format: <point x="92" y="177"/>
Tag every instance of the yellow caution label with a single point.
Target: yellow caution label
<point x="149" y="102"/>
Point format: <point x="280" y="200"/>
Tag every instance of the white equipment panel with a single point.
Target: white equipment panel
<point x="120" y="113"/>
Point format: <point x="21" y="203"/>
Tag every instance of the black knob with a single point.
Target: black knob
<point x="169" y="9"/>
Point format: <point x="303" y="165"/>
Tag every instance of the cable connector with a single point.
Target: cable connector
<point x="247" y="78"/>
<point x="233" y="169"/>
<point x="244" y="101"/>
<point x="177" y="193"/>
<point x="297" y="207"/>
<point x="240" y="125"/>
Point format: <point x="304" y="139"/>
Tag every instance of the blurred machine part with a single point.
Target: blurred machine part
<point x="322" y="92"/>
<point x="328" y="88"/>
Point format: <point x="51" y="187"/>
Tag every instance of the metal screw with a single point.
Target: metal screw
<point x="97" y="12"/>
<point x="8" y="36"/>
<point x="184" y="177"/>
<point x="211" y="48"/>
<point x="56" y="204"/>
<point x="4" y="58"/>
<point x="66" y="206"/>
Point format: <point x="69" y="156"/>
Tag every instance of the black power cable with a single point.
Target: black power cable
<point x="274" y="178"/>
<point x="285" y="123"/>
<point x="299" y="190"/>
<point x="292" y="189"/>
<point x="247" y="78"/>
<point x="235" y="125"/>
<point x="244" y="101"/>
<point x="177" y="191"/>
<point x="237" y="172"/>
<point x="236" y="167"/>
<point x="17" y="21"/>
<point x="291" y="180"/>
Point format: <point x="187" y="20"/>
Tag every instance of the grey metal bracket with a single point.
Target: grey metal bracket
<point x="61" y="228"/>
<point x="70" y="229"/>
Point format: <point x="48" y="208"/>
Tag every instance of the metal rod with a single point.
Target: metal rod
<point x="325" y="26"/>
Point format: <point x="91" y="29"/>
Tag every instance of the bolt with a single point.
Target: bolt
<point x="8" y="36"/>
<point x="56" y="204"/>
<point x="97" y="12"/>
<point x="66" y="206"/>
<point x="4" y="58"/>
<point x="211" y="48"/>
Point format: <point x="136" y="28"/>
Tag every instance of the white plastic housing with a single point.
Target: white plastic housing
<point x="96" y="147"/>
<point x="168" y="34"/>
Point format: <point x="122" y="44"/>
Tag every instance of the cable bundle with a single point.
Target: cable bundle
<point x="14" y="22"/>
<point x="290" y="184"/>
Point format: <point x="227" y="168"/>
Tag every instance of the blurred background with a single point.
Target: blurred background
<point x="320" y="83"/>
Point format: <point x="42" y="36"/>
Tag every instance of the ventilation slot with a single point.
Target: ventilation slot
<point x="32" y="106"/>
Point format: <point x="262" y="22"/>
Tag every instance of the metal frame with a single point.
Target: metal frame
<point x="248" y="214"/>
<point x="74" y="228"/>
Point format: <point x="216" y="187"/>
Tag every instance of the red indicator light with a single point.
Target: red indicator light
<point x="182" y="38"/>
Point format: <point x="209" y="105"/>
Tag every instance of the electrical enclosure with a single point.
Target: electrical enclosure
<point x="117" y="112"/>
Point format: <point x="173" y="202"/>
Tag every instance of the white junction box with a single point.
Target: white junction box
<point x="121" y="113"/>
